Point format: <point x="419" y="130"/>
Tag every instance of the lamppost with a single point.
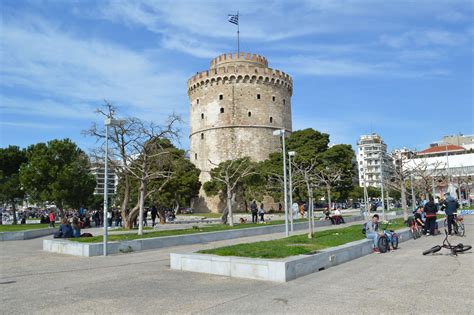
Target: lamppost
<point x="108" y="122"/>
<point x="381" y="184"/>
<point x="281" y="133"/>
<point x="413" y="200"/>
<point x="290" y="154"/>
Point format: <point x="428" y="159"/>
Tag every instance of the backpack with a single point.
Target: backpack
<point x="364" y="228"/>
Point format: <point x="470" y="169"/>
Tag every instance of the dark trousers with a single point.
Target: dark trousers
<point x="254" y="217"/>
<point x="261" y="217"/>
<point x="450" y="220"/>
<point x="430" y="225"/>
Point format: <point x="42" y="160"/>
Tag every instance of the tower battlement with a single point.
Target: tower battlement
<point x="223" y="59"/>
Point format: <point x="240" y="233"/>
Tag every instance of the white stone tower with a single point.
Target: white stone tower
<point x="235" y="107"/>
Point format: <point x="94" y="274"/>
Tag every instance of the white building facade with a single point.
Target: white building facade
<point x="373" y="162"/>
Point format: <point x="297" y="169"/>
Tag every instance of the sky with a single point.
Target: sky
<point x="402" y="69"/>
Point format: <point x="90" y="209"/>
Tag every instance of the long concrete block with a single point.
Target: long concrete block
<point x="26" y="235"/>
<point x="96" y="249"/>
<point x="278" y="270"/>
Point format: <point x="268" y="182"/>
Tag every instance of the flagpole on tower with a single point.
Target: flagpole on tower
<point x="234" y="19"/>
<point x="238" y="35"/>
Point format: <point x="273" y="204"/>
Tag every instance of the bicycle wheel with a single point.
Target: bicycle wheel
<point x="462" y="248"/>
<point x="382" y="244"/>
<point x="461" y="230"/>
<point x="395" y="241"/>
<point x="432" y="250"/>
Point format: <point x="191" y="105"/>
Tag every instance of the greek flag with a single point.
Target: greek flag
<point x="234" y="19"/>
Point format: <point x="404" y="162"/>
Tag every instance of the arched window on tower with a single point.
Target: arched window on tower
<point x="258" y="96"/>
<point x="271" y="120"/>
<point x="273" y="98"/>
<point x="284" y="102"/>
<point x="202" y="136"/>
<point x="202" y="116"/>
<point x="222" y="110"/>
<point x="195" y="156"/>
<point x="221" y="96"/>
<point x="197" y="101"/>
<point x="250" y="114"/>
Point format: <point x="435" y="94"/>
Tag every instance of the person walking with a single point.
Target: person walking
<point x="261" y="213"/>
<point x="254" y="210"/>
<point x="451" y="206"/>
<point x="154" y="213"/>
<point x="51" y="219"/>
<point x="430" y="209"/>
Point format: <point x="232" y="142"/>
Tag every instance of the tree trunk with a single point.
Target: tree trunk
<point x="143" y="186"/>
<point x="225" y="214"/>
<point x="131" y="216"/>
<point x="329" y="195"/>
<point x="404" y="200"/>
<point x="229" y="206"/>
<point x="15" y="221"/>
<point x="124" y="206"/>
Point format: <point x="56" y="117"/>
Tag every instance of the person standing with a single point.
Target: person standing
<point x="451" y="206"/>
<point x="154" y="213"/>
<point x="51" y="219"/>
<point x="430" y="209"/>
<point x="261" y="213"/>
<point x="254" y="210"/>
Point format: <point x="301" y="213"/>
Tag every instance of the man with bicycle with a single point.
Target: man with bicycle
<point x="451" y="206"/>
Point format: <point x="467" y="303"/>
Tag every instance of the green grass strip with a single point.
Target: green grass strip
<point x="22" y="227"/>
<point x="298" y="244"/>
<point x="194" y="230"/>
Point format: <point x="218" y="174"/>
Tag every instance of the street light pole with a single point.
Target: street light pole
<point x="290" y="154"/>
<point x="413" y="200"/>
<point x="106" y="174"/>
<point x="281" y="133"/>
<point x="108" y="122"/>
<point x="381" y="185"/>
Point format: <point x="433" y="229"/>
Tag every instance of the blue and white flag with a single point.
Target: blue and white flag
<point x="233" y="18"/>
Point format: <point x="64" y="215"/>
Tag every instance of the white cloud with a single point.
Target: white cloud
<point x="56" y="65"/>
<point x="415" y="38"/>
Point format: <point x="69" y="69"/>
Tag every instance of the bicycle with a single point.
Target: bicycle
<point x="415" y="229"/>
<point x="388" y="237"/>
<point x="459" y="248"/>
<point x="457" y="225"/>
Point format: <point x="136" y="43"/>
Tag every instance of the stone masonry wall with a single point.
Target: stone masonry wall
<point x="235" y="107"/>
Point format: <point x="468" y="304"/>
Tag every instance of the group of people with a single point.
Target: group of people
<point x="257" y="212"/>
<point x="336" y="217"/>
<point x="425" y="215"/>
<point x="70" y="230"/>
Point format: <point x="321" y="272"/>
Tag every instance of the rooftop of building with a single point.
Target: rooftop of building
<point x="442" y="149"/>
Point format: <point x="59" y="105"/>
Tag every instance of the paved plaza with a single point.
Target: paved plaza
<point x="404" y="281"/>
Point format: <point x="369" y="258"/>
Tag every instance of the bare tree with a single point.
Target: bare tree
<point x="135" y="152"/>
<point x="328" y="177"/>
<point x="304" y="175"/>
<point x="229" y="175"/>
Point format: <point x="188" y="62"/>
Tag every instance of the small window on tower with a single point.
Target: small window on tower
<point x="273" y="98"/>
<point x="250" y="114"/>
<point x="222" y="110"/>
<point x="271" y="120"/>
<point x="202" y="116"/>
<point x="202" y="136"/>
<point x="197" y="101"/>
<point x="221" y="97"/>
<point x="195" y="156"/>
<point x="258" y="96"/>
<point x="284" y="102"/>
